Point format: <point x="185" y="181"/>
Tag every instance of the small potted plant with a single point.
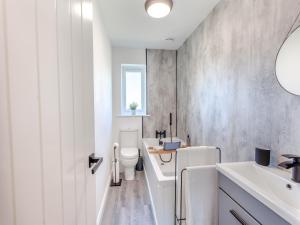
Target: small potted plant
<point x="133" y="106"/>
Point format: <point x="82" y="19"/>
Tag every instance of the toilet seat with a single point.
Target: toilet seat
<point x="129" y="153"/>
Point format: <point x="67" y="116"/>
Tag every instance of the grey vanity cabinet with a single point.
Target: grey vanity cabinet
<point x="231" y="213"/>
<point x="238" y="207"/>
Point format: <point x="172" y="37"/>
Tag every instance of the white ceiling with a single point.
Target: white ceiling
<point x="128" y="24"/>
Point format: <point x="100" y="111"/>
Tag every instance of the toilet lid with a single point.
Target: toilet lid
<point x="129" y="152"/>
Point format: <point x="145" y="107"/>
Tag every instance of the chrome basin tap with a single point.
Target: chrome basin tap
<point x="294" y="164"/>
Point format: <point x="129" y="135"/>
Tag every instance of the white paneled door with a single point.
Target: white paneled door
<point x="46" y="113"/>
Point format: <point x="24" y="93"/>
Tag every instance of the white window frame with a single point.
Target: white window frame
<point x="133" y="68"/>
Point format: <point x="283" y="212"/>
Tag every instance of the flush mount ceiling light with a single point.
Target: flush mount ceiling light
<point x="158" y="8"/>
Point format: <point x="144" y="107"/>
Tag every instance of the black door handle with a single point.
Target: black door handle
<point x="94" y="160"/>
<point x="237" y="217"/>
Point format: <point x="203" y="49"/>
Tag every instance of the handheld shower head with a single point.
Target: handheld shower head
<point x="171" y="127"/>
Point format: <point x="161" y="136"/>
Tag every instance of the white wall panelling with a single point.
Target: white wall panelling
<point x="88" y="108"/>
<point x="25" y="113"/>
<point x="64" y="37"/>
<point x="102" y="102"/>
<point x="78" y="85"/>
<point x="6" y="169"/>
<point x="47" y="113"/>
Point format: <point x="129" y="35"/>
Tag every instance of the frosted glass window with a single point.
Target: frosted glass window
<point x="133" y="89"/>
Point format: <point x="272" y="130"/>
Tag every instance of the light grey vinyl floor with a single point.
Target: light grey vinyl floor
<point x="129" y="204"/>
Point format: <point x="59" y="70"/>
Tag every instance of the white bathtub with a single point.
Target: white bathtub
<point x="161" y="183"/>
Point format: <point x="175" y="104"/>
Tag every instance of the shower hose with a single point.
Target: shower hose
<point x="166" y="161"/>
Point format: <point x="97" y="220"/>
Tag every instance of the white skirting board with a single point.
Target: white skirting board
<point x="104" y="199"/>
<point x="151" y="199"/>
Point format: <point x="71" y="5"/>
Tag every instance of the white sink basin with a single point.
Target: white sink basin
<point x="271" y="186"/>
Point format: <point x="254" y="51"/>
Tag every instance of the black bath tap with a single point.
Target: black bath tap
<point x="294" y="164"/>
<point x="160" y="134"/>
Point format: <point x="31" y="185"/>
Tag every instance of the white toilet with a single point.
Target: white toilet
<point x="129" y="152"/>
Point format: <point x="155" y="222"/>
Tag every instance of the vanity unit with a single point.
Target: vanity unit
<point x="252" y="195"/>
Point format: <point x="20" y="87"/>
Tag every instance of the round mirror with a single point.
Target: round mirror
<point x="288" y="63"/>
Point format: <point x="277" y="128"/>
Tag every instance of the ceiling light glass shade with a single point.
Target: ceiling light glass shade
<point x="158" y="8"/>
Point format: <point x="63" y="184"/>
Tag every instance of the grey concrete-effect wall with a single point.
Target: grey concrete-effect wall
<point x="228" y="94"/>
<point x="161" y="91"/>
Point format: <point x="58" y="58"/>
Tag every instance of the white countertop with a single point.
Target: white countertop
<point x="268" y="185"/>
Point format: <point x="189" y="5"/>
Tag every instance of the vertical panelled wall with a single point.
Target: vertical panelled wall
<point x="161" y="92"/>
<point x="46" y="112"/>
<point x="103" y="105"/>
<point x="228" y="94"/>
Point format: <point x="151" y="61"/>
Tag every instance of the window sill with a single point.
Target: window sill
<point x="132" y="116"/>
